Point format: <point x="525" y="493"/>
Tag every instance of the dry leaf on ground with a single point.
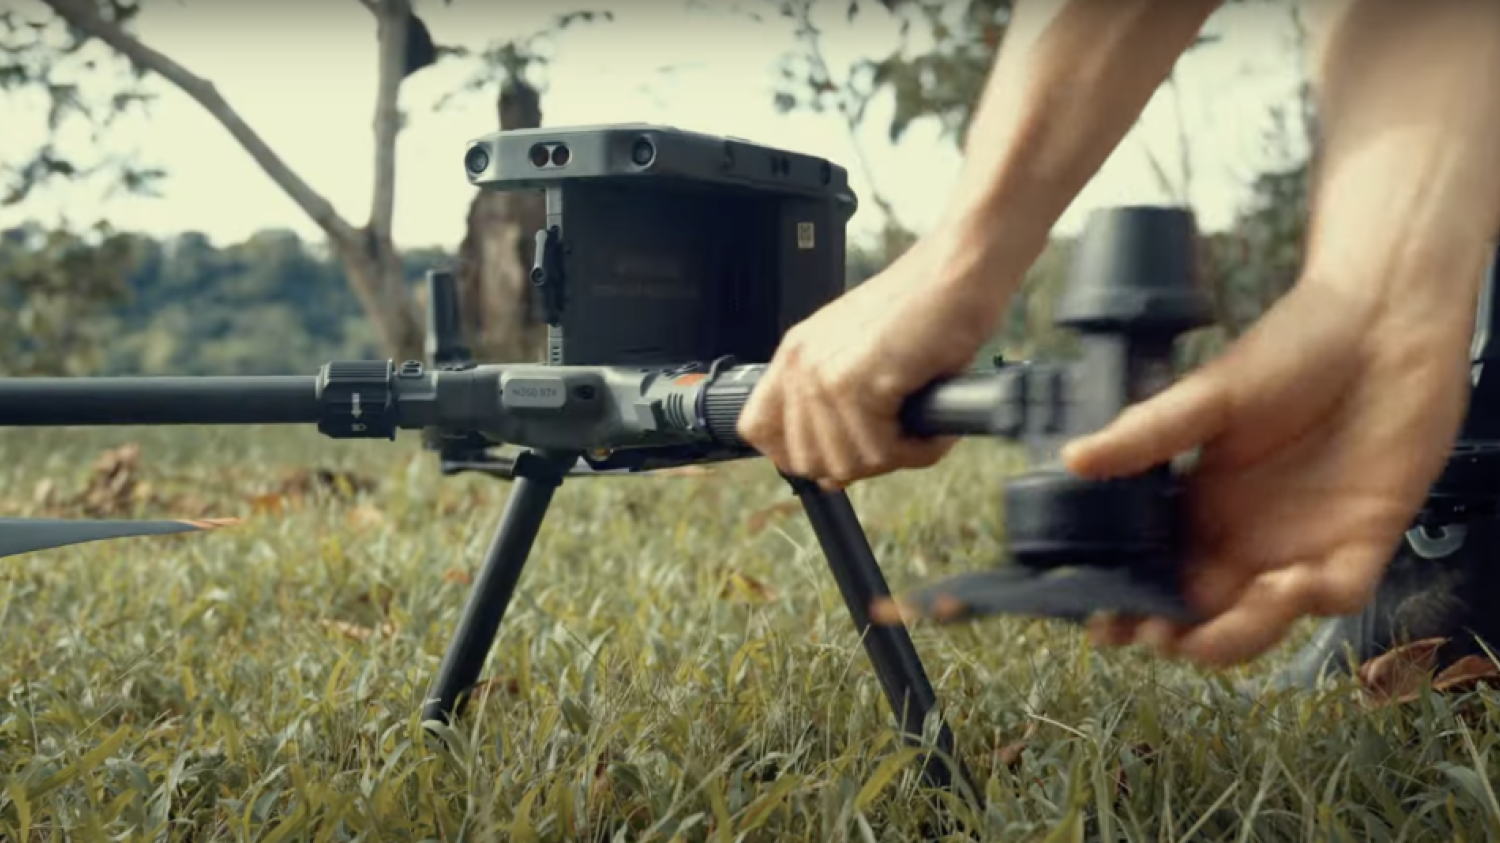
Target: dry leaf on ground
<point x="1009" y="755"/>
<point x="1400" y="675"/>
<point x="508" y="684"/>
<point x="308" y="481"/>
<point x="760" y="519"/>
<point x="356" y="632"/>
<point x="745" y="587"/>
<point x="1465" y="675"/>
<point x="366" y="515"/>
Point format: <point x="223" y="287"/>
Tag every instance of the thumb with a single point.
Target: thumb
<point x="1178" y="419"/>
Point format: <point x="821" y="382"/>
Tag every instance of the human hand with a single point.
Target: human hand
<point x="1322" y="430"/>
<point x="827" y="407"/>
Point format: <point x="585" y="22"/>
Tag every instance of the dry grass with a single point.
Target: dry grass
<point x="678" y="665"/>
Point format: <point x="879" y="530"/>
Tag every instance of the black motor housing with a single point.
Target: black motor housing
<point x="1133" y="291"/>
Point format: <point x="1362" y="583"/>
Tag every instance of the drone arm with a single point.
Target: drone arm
<point x="1012" y="402"/>
<point x="580" y="408"/>
<point x="45" y="402"/>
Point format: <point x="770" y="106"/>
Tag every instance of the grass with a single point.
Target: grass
<point x="677" y="665"/>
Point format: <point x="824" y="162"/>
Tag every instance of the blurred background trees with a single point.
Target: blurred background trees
<point x="100" y="300"/>
<point x="1247" y="266"/>
<point x="44" y="51"/>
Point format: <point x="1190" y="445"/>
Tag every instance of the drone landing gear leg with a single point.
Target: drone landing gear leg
<point x="537" y="477"/>
<point x="890" y="648"/>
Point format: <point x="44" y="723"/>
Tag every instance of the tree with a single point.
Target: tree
<point x="99" y="302"/>
<point x="941" y="80"/>
<point x="39" y="60"/>
<point x="498" y="249"/>
<point x="502" y="318"/>
<point x="1258" y="257"/>
<point x="367" y="252"/>
<point x="54" y="286"/>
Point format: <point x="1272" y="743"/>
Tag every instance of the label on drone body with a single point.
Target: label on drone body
<point x="806" y="238"/>
<point x="533" y="393"/>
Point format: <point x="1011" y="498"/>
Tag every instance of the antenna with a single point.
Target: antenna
<point x="445" y="341"/>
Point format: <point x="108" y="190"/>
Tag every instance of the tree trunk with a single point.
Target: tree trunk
<point x="376" y="275"/>
<point x="501" y="319"/>
<point x="368" y="255"/>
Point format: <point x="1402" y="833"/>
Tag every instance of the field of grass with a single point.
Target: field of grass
<point x="677" y="665"/>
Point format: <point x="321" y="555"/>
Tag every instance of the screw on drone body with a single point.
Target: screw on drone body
<point x="584" y="393"/>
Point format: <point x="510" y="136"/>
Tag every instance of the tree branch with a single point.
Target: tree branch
<point x="85" y="17"/>
<point x="392" y="24"/>
<point x="1179" y="192"/>
<point x="1184" y="145"/>
<point x="812" y="40"/>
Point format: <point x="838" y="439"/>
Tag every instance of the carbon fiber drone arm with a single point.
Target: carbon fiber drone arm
<point x="591" y="409"/>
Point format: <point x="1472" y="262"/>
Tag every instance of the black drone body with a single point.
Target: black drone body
<point x="671" y="265"/>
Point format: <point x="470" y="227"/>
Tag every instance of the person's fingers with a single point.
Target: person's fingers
<point x="1268" y="607"/>
<point x="1347" y="582"/>
<point x="910" y="452"/>
<point x="804" y="456"/>
<point x="759" y="424"/>
<point x="837" y="461"/>
<point x="1211" y="584"/>
<point x="1249" y="613"/>
<point x="1111" y="630"/>
<point x="1179" y="418"/>
<point x="867" y="439"/>
<point x="1159" y="635"/>
<point x="845" y="432"/>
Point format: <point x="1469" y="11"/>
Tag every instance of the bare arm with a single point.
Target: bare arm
<point x="1406" y="200"/>
<point x="1071" y="79"/>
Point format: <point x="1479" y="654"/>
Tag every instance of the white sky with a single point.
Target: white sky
<point x="302" y="74"/>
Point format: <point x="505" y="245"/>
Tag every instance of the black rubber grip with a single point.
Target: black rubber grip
<point x="357" y="399"/>
<point x="967" y="405"/>
<point x="723" y="400"/>
<point x="26" y="402"/>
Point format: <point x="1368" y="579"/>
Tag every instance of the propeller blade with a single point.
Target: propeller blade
<point x="1068" y="594"/>
<point x="24" y="535"/>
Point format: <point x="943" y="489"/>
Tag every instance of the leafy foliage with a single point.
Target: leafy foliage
<point x="56" y="289"/>
<point x="372" y="263"/>
<point x="126" y="304"/>
<point x="937" y="72"/>
<point x="515" y="59"/>
<point x="941" y="81"/>
<point x="85" y="90"/>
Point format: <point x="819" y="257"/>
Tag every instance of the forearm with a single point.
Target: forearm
<point x="1071" y="79"/>
<point x="1406" y="197"/>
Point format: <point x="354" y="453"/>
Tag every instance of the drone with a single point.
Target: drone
<point x="670" y="266"/>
